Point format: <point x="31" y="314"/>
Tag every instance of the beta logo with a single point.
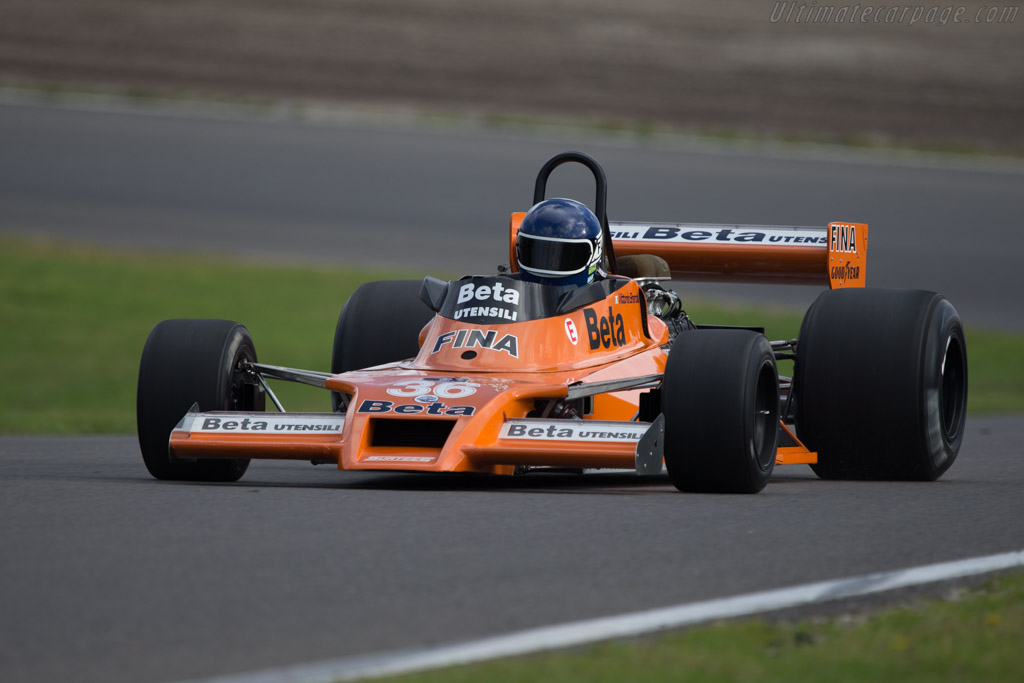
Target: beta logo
<point x="566" y="430"/>
<point x="807" y="237"/>
<point x="604" y="331"/>
<point x="272" y="423"/>
<point x="570" y="331"/>
<point x="436" y="408"/>
<point x="495" y="292"/>
<point x="471" y="296"/>
<point x="484" y="339"/>
<point x="843" y="238"/>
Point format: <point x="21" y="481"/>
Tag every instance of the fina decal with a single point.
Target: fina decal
<point x="249" y="424"/>
<point x="570" y="331"/>
<point x="484" y="339"/>
<point x="565" y="430"/>
<point x="843" y="238"/>
<point x="809" y="237"/>
<point x="399" y="458"/>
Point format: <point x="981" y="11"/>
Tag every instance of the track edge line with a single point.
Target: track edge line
<point x="587" y="631"/>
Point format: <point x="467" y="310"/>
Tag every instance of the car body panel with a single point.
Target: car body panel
<point x="447" y="409"/>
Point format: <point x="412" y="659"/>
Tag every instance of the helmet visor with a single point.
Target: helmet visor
<point x="553" y="256"/>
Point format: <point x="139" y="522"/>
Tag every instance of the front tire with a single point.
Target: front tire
<point x="186" y="362"/>
<point x="881" y="384"/>
<point x="380" y="323"/>
<point x="721" y="405"/>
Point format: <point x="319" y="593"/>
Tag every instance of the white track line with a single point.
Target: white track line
<point x="621" y="626"/>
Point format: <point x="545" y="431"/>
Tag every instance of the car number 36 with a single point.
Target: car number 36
<point x="423" y="387"/>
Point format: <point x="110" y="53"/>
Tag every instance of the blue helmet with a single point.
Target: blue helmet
<point x="560" y="243"/>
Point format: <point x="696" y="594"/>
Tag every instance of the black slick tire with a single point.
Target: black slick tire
<point x="720" y="400"/>
<point x="185" y="362"/>
<point x="881" y="384"/>
<point x="380" y="323"/>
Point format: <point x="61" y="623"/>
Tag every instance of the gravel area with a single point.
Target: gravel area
<point x="726" y="67"/>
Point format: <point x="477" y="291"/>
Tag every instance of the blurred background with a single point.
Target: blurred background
<point x="730" y="67"/>
<point x="403" y="133"/>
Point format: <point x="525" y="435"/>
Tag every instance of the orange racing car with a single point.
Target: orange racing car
<point x="577" y="356"/>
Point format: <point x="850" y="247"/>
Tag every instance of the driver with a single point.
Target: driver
<point x="560" y="243"/>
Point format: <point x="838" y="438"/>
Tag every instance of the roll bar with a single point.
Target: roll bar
<point x="600" y="200"/>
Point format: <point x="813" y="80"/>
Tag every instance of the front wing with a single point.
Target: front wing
<point x="322" y="438"/>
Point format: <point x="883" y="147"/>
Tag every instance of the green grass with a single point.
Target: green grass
<point x="73" y="322"/>
<point x="975" y="636"/>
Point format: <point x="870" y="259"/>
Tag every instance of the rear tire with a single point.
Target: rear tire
<point x="721" y="405"/>
<point x="881" y="384"/>
<point x="186" y="362"/>
<point x="380" y="323"/>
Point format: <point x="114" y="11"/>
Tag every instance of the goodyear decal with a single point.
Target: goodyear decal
<point x="846" y="271"/>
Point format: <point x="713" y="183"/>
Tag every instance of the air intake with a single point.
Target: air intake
<point x="410" y="433"/>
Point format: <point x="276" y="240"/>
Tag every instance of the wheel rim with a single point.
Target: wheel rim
<point x="766" y="404"/>
<point x="951" y="392"/>
<point x="238" y="398"/>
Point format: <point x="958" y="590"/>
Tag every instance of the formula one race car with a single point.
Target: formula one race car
<point x="504" y="374"/>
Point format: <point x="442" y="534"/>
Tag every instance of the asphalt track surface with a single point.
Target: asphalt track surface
<point x="106" y="574"/>
<point x="438" y="200"/>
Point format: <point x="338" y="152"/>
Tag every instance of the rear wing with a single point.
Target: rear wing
<point x="835" y="255"/>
